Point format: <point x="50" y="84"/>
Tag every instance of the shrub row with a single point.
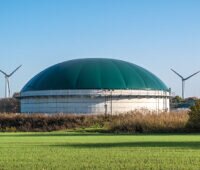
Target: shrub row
<point x="43" y="122"/>
<point x="133" y="122"/>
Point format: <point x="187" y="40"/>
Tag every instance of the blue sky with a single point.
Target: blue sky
<point x="155" y="34"/>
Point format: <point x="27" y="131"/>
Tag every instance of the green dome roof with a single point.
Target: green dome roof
<point x="94" y="73"/>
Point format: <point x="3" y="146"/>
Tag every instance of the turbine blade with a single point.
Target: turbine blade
<point x="177" y="74"/>
<point x="3" y="73"/>
<point x="192" y="75"/>
<point x="14" y="71"/>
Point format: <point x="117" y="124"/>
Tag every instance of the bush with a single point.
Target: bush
<point x="193" y="123"/>
<point x="9" y="105"/>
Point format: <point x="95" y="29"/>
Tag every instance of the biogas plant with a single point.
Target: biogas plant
<point x="94" y="86"/>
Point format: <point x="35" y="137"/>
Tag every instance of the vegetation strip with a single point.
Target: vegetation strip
<point x="133" y="122"/>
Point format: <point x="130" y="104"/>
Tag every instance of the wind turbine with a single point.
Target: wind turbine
<point x="7" y="83"/>
<point x="183" y="80"/>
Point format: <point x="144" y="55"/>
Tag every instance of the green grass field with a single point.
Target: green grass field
<point x="79" y="150"/>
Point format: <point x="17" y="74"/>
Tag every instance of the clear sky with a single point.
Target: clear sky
<point x="155" y="34"/>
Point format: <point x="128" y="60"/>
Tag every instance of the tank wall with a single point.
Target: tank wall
<point x="95" y="104"/>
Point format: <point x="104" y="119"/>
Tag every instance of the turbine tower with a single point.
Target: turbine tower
<point x="183" y="80"/>
<point x="7" y="83"/>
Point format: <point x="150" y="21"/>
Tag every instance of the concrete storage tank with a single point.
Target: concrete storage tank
<point x="94" y="86"/>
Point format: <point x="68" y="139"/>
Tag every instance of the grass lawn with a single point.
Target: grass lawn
<point x="79" y="150"/>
